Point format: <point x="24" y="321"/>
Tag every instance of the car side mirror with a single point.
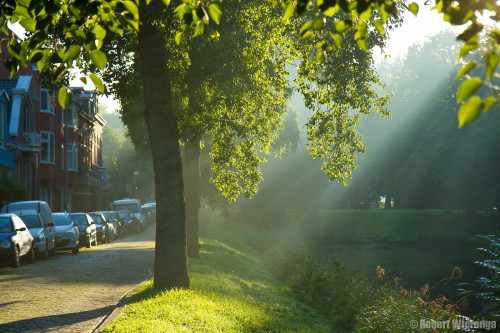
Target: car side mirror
<point x="21" y="229"/>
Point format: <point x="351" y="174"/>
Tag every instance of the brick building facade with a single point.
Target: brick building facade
<point x="56" y="154"/>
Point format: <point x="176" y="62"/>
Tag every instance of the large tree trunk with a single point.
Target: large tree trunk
<point x="170" y="268"/>
<point x="192" y="189"/>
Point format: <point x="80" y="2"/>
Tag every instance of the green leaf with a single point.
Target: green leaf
<point x="466" y="69"/>
<point x="413" y="7"/>
<point x="132" y="8"/>
<point x="380" y="26"/>
<point x="467" y="88"/>
<point x="472" y="44"/>
<point x="489" y="102"/>
<point x="166" y="3"/>
<point x="98" y="58"/>
<point x="342" y="26"/>
<point x="71" y="53"/>
<point x="215" y="12"/>
<point x="178" y="37"/>
<point x="289" y="9"/>
<point x="384" y="14"/>
<point x="83" y="79"/>
<point x="99" y="32"/>
<point x="97" y="82"/>
<point x="331" y="11"/>
<point x="337" y="39"/>
<point x="469" y="111"/>
<point x="28" y="23"/>
<point x="492" y="59"/>
<point x="64" y="97"/>
<point x="307" y="34"/>
<point x="473" y="30"/>
<point x="362" y="44"/>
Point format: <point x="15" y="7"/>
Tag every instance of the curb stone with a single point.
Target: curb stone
<point x="106" y="321"/>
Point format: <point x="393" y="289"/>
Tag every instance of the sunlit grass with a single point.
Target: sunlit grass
<point x="231" y="292"/>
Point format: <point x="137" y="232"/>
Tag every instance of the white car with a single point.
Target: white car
<point x="66" y="233"/>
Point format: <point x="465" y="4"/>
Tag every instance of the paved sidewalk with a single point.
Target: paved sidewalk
<point x="74" y="293"/>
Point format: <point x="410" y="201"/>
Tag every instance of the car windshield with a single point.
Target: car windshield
<point x="133" y="207"/>
<point x="97" y="218"/>
<point x="5" y="225"/>
<point x="61" y="219"/>
<point x="31" y="221"/>
<point x="114" y="216"/>
<point x="79" y="219"/>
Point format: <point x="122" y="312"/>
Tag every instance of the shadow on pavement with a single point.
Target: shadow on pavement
<point x="53" y="321"/>
<point x="9" y="303"/>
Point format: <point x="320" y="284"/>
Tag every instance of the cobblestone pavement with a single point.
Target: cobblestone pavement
<point x="74" y="292"/>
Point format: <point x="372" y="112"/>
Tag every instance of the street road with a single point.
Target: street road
<point x="74" y="292"/>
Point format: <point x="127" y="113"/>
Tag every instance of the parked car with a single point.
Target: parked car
<point x="15" y="240"/>
<point x="37" y="216"/>
<point x="148" y="213"/>
<point x="132" y="205"/>
<point x="102" y="227"/>
<point x="86" y="228"/>
<point x="112" y="222"/>
<point x="122" y="225"/>
<point x="67" y="234"/>
<point x="133" y="224"/>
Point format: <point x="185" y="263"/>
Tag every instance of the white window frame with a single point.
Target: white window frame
<point x="72" y="157"/>
<point x="49" y="139"/>
<point x="74" y="119"/>
<point x="50" y="107"/>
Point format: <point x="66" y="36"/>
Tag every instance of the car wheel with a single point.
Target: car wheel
<point x="15" y="261"/>
<point x="45" y="253"/>
<point x="30" y="256"/>
<point x="75" y="250"/>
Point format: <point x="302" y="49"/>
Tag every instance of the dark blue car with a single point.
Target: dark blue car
<point x="15" y="240"/>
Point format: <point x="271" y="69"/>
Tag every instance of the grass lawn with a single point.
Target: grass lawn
<point x="231" y="291"/>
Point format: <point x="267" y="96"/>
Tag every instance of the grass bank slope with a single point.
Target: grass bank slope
<point x="231" y="291"/>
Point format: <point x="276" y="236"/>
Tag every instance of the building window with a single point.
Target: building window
<point x="71" y="116"/>
<point x="48" y="148"/>
<point x="2" y="125"/>
<point x="45" y="101"/>
<point x="72" y="157"/>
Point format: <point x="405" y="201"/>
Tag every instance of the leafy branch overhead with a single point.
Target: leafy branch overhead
<point x="66" y="34"/>
<point x="358" y="18"/>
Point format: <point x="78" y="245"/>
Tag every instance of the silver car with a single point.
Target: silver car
<point x="37" y="216"/>
<point x="43" y="233"/>
<point x="66" y="233"/>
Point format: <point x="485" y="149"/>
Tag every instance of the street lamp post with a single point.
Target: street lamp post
<point x="135" y="172"/>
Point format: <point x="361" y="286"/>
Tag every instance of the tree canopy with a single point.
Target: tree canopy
<point x="71" y="33"/>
